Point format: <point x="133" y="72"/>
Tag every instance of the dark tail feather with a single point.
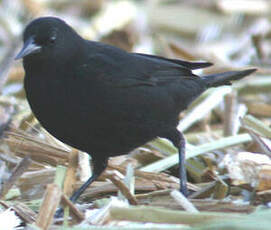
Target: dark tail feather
<point x="218" y="79"/>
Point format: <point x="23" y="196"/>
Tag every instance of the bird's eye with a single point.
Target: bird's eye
<point x="52" y="39"/>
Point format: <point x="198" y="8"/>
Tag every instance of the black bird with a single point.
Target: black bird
<point x="106" y="101"/>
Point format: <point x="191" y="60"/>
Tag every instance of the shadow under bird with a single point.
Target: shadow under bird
<point x="106" y="101"/>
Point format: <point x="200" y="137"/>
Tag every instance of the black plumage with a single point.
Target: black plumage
<point x="106" y="101"/>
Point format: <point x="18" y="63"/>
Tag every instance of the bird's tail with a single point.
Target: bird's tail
<point x="218" y="79"/>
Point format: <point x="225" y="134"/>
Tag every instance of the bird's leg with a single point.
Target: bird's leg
<point x="178" y="141"/>
<point x="182" y="169"/>
<point x="99" y="166"/>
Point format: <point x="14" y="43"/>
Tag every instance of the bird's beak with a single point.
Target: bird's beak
<point x="29" y="48"/>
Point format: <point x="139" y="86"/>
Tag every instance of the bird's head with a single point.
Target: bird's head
<point x="47" y="37"/>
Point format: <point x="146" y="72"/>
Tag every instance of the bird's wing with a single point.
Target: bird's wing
<point x="123" y="69"/>
<point x="186" y="64"/>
